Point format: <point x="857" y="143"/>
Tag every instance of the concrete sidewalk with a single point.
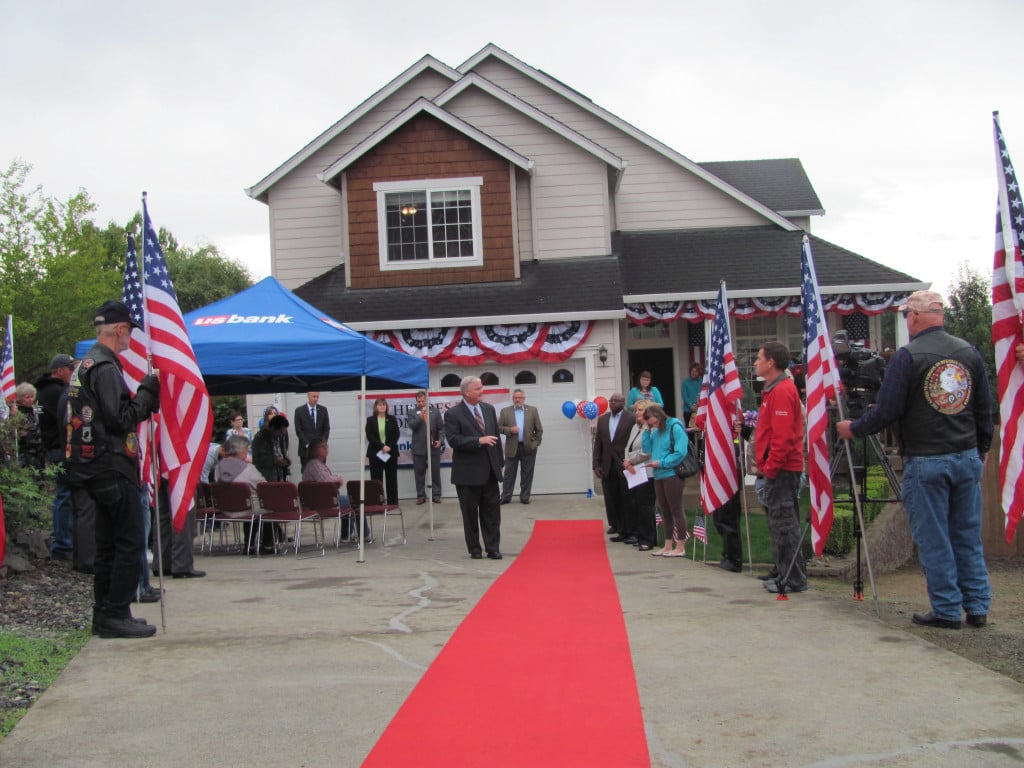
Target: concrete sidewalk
<point x="278" y="662"/>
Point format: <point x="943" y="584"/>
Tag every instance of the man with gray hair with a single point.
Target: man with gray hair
<point x="471" y="428"/>
<point x="103" y="457"/>
<point x="520" y="424"/>
<point x="936" y="388"/>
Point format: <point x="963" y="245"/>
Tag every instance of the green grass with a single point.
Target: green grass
<point x="34" y="663"/>
<point x="760" y="542"/>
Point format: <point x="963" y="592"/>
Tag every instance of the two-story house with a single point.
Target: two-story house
<point x="495" y="221"/>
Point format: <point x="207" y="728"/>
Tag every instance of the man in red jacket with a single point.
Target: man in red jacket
<point x="779" y="451"/>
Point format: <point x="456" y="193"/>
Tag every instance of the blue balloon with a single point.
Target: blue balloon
<point x="569" y="409"/>
<point x="591" y="410"/>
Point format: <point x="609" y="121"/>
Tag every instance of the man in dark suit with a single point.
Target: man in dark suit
<point x="471" y="428"/>
<point x="311" y="421"/>
<point x="520" y="424"/>
<point x="610" y="440"/>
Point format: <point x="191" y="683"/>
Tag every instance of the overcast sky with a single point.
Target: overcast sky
<point x="887" y="103"/>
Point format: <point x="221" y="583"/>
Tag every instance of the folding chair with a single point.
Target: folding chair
<point x="233" y="505"/>
<point x="279" y="503"/>
<point x="374" y="504"/>
<point x="321" y="498"/>
<point x="204" y="513"/>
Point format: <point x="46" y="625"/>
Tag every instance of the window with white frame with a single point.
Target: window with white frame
<point x="429" y="223"/>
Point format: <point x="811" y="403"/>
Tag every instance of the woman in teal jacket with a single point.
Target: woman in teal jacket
<point x="666" y="441"/>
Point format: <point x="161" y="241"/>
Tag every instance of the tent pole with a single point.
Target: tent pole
<point x="430" y="467"/>
<point x="361" y="404"/>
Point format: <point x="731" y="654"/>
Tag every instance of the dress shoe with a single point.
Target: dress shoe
<point x="524" y="501"/>
<point x="611" y="530"/>
<point x="506" y="501"/>
<point x="772" y="575"/>
<point x="728" y="565"/>
<point x="977" y="619"/>
<point x="123" y="627"/>
<point x="931" y="620"/>
<point x="630" y="540"/>
<point x="437" y="499"/>
<point x="420" y="501"/>
<point x="193" y="574"/>
<point x="617" y="537"/>
<point x="494" y="555"/>
<point x="476" y="555"/>
<point x="150" y="595"/>
<point x="774" y="588"/>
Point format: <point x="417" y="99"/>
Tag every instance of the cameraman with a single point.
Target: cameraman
<point x="937" y="389"/>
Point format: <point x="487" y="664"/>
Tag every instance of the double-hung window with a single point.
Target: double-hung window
<point x="429" y="223"/>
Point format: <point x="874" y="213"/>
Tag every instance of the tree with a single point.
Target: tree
<point x="969" y="316"/>
<point x="57" y="266"/>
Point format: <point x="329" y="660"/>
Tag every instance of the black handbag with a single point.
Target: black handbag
<point x="690" y="465"/>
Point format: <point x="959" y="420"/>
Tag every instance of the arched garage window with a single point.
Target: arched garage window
<point x="451" y="380"/>
<point x="489" y="379"/>
<point x="562" y="376"/>
<point x="526" y="377"/>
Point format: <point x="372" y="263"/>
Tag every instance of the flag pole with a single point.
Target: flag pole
<point x="154" y="472"/>
<point x="12" y="405"/>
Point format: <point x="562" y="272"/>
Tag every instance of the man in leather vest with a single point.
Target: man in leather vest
<point x="937" y="389"/>
<point x="102" y="454"/>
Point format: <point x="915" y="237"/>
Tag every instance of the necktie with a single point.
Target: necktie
<point x="312" y="413"/>
<point x="479" y="419"/>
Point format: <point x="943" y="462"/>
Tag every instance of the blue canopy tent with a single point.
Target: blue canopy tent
<point x="266" y="339"/>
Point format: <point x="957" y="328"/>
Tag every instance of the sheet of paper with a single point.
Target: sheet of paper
<point x="383" y="455"/>
<point x="637" y="477"/>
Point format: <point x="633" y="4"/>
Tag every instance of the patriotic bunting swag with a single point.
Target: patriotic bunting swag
<point x="1007" y="303"/>
<point x="549" y="342"/>
<point x="821" y="381"/>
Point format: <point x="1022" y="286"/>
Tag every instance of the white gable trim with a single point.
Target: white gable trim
<point x="418" y="106"/>
<point x="259" y="190"/>
<point x="513" y="101"/>
<point x="549" y="82"/>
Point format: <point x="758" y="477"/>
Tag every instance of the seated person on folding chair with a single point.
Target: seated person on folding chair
<point x="234" y="467"/>
<point x="318" y="471"/>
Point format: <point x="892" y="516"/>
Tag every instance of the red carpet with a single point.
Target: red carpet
<point x="538" y="674"/>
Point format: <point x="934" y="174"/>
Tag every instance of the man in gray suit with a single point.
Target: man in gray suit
<point x="520" y="424"/>
<point x="421" y="435"/>
<point x="471" y="428"/>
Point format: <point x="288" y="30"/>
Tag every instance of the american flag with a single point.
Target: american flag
<point x="7" y="385"/>
<point x="185" y="413"/>
<point x="135" y="358"/>
<point x="700" y="528"/>
<point x="720" y="482"/>
<point x="1007" y="303"/>
<point x="821" y="376"/>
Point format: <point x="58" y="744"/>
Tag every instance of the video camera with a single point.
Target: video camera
<point x="861" y="371"/>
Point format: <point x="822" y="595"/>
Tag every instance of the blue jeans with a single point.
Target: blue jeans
<point x="63" y="544"/>
<point x="942" y="496"/>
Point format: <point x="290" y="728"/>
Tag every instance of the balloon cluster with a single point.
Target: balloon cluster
<point x="585" y="409"/>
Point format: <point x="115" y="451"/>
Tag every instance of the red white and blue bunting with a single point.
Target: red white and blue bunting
<point x="550" y="342"/>
<point x="765" y="306"/>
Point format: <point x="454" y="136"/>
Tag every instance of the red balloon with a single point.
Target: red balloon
<point x="579" y="408"/>
<point x="601" y="403"/>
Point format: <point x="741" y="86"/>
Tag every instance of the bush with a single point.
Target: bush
<point x="841" y="540"/>
<point x="27" y="493"/>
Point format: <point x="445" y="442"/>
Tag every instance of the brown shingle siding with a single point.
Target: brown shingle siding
<point x="426" y="148"/>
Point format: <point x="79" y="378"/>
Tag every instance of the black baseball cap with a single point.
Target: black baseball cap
<point x="114" y="312"/>
<point x="62" y="361"/>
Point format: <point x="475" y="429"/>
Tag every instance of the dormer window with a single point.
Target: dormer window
<point x="429" y="223"/>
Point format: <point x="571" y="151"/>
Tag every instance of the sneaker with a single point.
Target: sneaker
<point x="772" y="575"/>
<point x="124" y="627"/>
<point x="977" y="619"/>
<point x="773" y="587"/>
<point x="96" y="623"/>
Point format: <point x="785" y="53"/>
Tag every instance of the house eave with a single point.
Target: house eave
<point x="651" y="298"/>
<point x="450" y="322"/>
